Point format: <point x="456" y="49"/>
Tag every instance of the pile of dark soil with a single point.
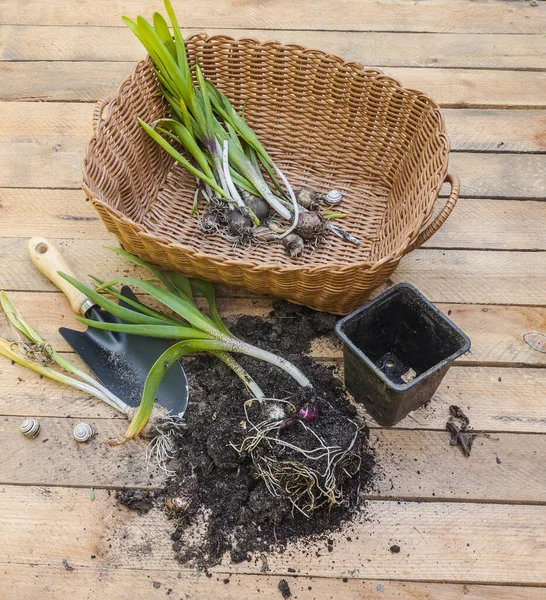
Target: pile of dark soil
<point x="216" y="500"/>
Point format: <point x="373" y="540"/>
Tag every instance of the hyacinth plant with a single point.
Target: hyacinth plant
<point x="36" y="354"/>
<point x="248" y="197"/>
<point x="192" y="330"/>
<point x="309" y="481"/>
<point x="226" y="153"/>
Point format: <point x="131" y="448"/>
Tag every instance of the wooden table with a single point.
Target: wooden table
<point x="468" y="527"/>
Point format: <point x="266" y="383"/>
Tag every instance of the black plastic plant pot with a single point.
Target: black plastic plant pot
<point x="397" y="349"/>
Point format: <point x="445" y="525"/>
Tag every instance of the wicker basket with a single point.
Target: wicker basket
<point x="327" y="123"/>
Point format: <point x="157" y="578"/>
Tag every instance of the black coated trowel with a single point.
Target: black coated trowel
<point x="119" y="360"/>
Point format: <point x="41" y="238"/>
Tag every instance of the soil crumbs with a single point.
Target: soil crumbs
<point x="216" y="500"/>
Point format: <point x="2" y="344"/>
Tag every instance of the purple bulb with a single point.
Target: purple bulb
<point x="309" y="412"/>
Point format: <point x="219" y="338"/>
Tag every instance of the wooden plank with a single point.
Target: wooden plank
<point x="456" y="88"/>
<point x="40" y="148"/>
<point x="492" y="225"/>
<point x="423" y="465"/>
<point x="474" y="224"/>
<point x="485" y="393"/>
<point x="469" y="129"/>
<point x="474" y="276"/>
<point x="510" y="16"/>
<point x="470" y="51"/>
<point x="23" y="394"/>
<point x="56" y="458"/>
<point x="412" y="464"/>
<point x="69" y="215"/>
<point x="496" y="331"/>
<point x="54" y="582"/>
<point x="496" y="130"/>
<point x="517" y="176"/>
<point x="462" y="276"/>
<point x="499" y="175"/>
<point x="452" y="542"/>
<point x="495" y="399"/>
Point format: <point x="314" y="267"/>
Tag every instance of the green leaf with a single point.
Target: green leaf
<point x="233" y="136"/>
<point x="183" y="285"/>
<point x="179" y="42"/>
<point x="205" y="96"/>
<point x="154" y="379"/>
<point x="162" y="29"/>
<point x="184" y="308"/>
<point x="16" y="319"/>
<point x="135" y="304"/>
<point x="181" y="159"/>
<point x="207" y="290"/>
<point x="242" y="182"/>
<point x="332" y="214"/>
<point x="92" y="495"/>
<point x="187" y="140"/>
<point x="163" y="57"/>
<point x="131" y="316"/>
<point x="165" y="332"/>
<point x="270" y="171"/>
<point x="230" y="115"/>
<point x="143" y="263"/>
<point x="186" y="117"/>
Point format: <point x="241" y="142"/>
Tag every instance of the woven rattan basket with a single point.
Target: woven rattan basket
<point x="327" y="123"/>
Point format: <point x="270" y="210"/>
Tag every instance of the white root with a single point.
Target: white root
<point x="306" y="488"/>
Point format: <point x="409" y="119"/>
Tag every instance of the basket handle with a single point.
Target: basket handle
<point x="99" y="108"/>
<point x="440" y="218"/>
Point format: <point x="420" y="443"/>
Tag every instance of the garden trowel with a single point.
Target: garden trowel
<point x="120" y="361"/>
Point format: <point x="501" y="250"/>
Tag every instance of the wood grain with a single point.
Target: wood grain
<point x="41" y="147"/>
<point x="452" y="542"/>
<point x="474" y="224"/>
<point x="54" y="582"/>
<point x="412" y="464"/>
<point x="474" y="276"/>
<point x="484" y="62"/>
<point x="500" y="176"/>
<point x="422" y="464"/>
<point x="456" y="88"/>
<point x="486" y="394"/>
<point x="58" y="165"/>
<point x="510" y="16"/>
<point x="385" y="49"/>
<point x="23" y="394"/>
<point x="496" y="331"/>
<point x="56" y="458"/>
<point x="499" y="131"/>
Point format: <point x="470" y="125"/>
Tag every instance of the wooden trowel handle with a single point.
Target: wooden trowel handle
<point x="49" y="261"/>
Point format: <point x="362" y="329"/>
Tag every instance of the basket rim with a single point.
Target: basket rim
<point x="107" y="103"/>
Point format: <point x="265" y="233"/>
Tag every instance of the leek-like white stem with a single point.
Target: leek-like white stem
<point x="226" y="343"/>
<point x="243" y="375"/>
<point x="292" y="198"/>
<point x="95" y="389"/>
<point x="220" y="171"/>
<point x="18" y="322"/>
<point x="261" y="186"/>
<point x="232" y="190"/>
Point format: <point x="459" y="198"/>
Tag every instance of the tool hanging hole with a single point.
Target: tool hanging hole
<point x="42" y="248"/>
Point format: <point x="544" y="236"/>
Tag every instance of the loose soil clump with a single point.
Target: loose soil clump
<point x="217" y="500"/>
